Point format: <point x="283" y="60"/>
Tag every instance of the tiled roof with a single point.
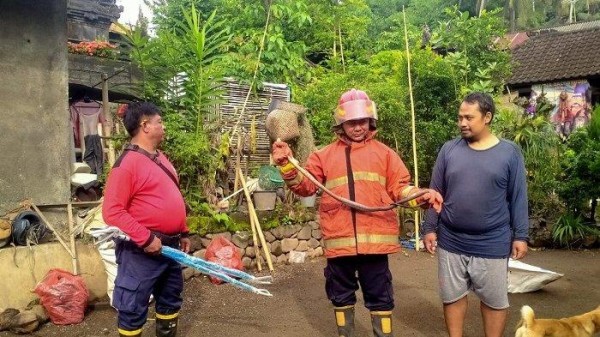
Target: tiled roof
<point x="511" y="40"/>
<point x="555" y="56"/>
<point x="574" y="26"/>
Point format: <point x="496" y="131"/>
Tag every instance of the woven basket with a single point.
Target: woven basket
<point x="288" y="106"/>
<point x="282" y="124"/>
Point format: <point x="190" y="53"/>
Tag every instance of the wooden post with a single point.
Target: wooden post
<point x="72" y="239"/>
<point x="49" y="225"/>
<point x="109" y="120"/>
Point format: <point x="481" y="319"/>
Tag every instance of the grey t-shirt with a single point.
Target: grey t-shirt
<point x="485" y="199"/>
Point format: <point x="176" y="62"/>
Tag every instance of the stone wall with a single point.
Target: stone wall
<point x="287" y="244"/>
<point x="88" y="20"/>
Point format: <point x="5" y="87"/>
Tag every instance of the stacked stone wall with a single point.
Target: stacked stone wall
<point x="287" y="244"/>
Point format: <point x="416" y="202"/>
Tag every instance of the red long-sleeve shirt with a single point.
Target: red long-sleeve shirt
<point x="140" y="197"/>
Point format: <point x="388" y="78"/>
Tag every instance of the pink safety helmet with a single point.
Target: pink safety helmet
<point x="355" y="104"/>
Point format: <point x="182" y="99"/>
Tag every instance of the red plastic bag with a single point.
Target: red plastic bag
<point x="224" y="252"/>
<point x="64" y="296"/>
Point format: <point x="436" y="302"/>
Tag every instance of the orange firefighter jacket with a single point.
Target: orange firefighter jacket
<point x="368" y="172"/>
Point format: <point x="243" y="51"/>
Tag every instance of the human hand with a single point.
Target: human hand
<point x="430" y="199"/>
<point x="430" y="242"/>
<point x="155" y="247"/>
<point x="281" y="151"/>
<point x="519" y="249"/>
<point x="185" y="244"/>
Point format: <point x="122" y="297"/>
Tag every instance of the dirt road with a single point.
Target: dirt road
<point x="299" y="307"/>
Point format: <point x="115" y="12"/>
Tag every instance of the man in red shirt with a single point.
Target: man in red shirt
<point x="142" y="198"/>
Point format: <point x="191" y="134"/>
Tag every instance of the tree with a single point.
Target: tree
<point x="142" y="22"/>
<point x="283" y="56"/>
<point x="384" y="78"/>
<point x="468" y="42"/>
<point x="581" y="168"/>
<point x="541" y="150"/>
<point x="181" y="72"/>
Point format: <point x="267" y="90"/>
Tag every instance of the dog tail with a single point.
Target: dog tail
<point x="527" y="316"/>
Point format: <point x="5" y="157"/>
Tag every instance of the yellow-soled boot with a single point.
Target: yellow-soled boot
<point x="344" y="319"/>
<point x="130" y="333"/>
<point x="382" y="323"/>
<point x="166" y="325"/>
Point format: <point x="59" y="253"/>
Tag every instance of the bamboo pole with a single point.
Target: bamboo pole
<point x="255" y="241"/>
<point x="237" y="163"/>
<point x="260" y="52"/>
<point x="252" y="212"/>
<point x="413" y="128"/>
<point x="72" y="239"/>
<point x="49" y="225"/>
<point x="342" y="49"/>
<point x="253" y="225"/>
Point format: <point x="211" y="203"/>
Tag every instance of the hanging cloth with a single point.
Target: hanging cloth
<point x="90" y="114"/>
<point x="93" y="155"/>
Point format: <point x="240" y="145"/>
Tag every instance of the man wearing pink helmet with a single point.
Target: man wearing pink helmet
<point x="359" y="168"/>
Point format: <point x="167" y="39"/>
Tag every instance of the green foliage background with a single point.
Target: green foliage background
<point x="323" y="48"/>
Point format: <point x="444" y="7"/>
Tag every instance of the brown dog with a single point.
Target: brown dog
<point x="585" y="325"/>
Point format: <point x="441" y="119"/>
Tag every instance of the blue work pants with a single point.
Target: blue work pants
<point x="343" y="275"/>
<point x="139" y="275"/>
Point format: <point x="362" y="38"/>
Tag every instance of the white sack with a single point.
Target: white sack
<point x="523" y="278"/>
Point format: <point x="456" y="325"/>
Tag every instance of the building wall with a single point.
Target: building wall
<point x="24" y="267"/>
<point x="34" y="120"/>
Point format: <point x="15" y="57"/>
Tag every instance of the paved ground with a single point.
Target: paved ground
<point x="299" y="307"/>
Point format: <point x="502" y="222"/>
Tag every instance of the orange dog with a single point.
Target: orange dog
<point x="585" y="325"/>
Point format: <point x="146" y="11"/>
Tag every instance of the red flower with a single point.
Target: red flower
<point x="98" y="48"/>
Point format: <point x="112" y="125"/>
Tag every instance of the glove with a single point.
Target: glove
<point x="430" y="199"/>
<point x="280" y="153"/>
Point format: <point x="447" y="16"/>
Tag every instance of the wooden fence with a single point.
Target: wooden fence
<point x="256" y="110"/>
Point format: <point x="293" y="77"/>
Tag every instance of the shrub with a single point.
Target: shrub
<point x="570" y="230"/>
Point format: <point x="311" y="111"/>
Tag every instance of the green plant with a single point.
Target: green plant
<point x="182" y="68"/>
<point x="580" y="166"/>
<point x="569" y="230"/>
<point x="468" y="40"/>
<point x="542" y="152"/>
<point x="385" y="80"/>
<point x="286" y="215"/>
<point x="209" y="220"/>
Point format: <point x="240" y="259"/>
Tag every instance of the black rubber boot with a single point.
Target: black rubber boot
<point x="130" y="333"/>
<point x="344" y="319"/>
<point x="166" y="325"/>
<point x="382" y="323"/>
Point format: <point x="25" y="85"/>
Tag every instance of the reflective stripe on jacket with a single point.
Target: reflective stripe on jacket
<point x="368" y="172"/>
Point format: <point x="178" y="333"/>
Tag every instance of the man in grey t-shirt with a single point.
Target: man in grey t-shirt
<point x="484" y="220"/>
